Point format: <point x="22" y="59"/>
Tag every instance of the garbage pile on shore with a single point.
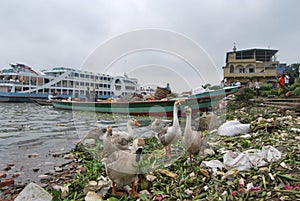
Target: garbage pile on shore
<point x="276" y="178"/>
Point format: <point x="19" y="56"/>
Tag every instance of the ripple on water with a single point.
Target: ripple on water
<point x="28" y="128"/>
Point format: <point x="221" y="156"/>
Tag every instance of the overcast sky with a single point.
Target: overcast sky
<point x="44" y="34"/>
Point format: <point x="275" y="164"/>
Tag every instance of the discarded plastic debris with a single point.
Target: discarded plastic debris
<point x="247" y="159"/>
<point x="232" y="128"/>
<point x="33" y="192"/>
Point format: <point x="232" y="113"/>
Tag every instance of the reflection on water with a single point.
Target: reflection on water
<point x="28" y="128"/>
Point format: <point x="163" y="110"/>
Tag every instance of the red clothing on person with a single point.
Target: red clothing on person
<point x="281" y="81"/>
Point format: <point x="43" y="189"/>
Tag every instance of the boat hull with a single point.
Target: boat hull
<point x="22" y="97"/>
<point x="198" y="102"/>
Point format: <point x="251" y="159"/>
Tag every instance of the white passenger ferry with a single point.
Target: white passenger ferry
<point x="21" y="83"/>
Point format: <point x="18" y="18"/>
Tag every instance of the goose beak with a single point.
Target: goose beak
<point x="136" y="123"/>
<point x="186" y="108"/>
<point x="181" y="101"/>
<point x="109" y="130"/>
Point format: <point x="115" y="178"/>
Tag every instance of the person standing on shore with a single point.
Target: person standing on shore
<point x="281" y="85"/>
<point x="286" y="80"/>
<point x="250" y="84"/>
<point x="257" y="87"/>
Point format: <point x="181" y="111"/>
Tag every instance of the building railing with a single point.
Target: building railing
<point x="260" y="74"/>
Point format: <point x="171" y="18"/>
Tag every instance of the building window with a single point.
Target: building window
<point x="240" y="69"/>
<point x="250" y="68"/>
<point x="231" y="69"/>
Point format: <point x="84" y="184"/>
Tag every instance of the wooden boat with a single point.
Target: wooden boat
<point x="43" y="102"/>
<point x="164" y="107"/>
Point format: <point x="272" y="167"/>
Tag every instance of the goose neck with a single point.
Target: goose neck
<point x="188" y="124"/>
<point x="129" y="128"/>
<point x="175" y="115"/>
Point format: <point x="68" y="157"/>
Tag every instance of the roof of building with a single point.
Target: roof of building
<point x="258" y="54"/>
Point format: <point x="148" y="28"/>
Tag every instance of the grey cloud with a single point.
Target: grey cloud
<point x="44" y="34"/>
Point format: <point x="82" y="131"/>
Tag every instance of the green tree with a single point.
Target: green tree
<point x="293" y="70"/>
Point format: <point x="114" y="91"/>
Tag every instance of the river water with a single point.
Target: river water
<point x="28" y="129"/>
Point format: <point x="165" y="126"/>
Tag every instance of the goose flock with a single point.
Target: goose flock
<point x="122" y="162"/>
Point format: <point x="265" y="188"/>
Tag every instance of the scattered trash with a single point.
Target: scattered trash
<point x="251" y="158"/>
<point x="232" y="128"/>
<point x="92" y="196"/>
<point x="213" y="164"/>
<point x="33" y="192"/>
<point x="261" y="163"/>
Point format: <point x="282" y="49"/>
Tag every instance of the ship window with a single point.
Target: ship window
<point x="118" y="81"/>
<point x="86" y="84"/>
<point x="108" y="86"/>
<point x="75" y="74"/>
<point x="105" y="78"/>
<point x="108" y="93"/>
<point x="96" y="77"/>
<point x="101" y="85"/>
<point x="82" y="75"/>
<point x="118" y="87"/>
<point x="87" y="76"/>
<point x="104" y="93"/>
<point x="81" y="84"/>
<point x="101" y="78"/>
<point x="92" y="76"/>
<point x="108" y="79"/>
<point x="100" y="93"/>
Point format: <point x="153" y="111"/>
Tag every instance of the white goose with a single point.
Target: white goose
<point x="171" y="134"/>
<point x="192" y="140"/>
<point x="122" y="167"/>
<point x="113" y="142"/>
<point x="130" y="123"/>
<point x="158" y="124"/>
<point x="119" y="140"/>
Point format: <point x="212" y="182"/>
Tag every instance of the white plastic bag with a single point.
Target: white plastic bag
<point x="251" y="158"/>
<point x="33" y="192"/>
<point x="232" y="128"/>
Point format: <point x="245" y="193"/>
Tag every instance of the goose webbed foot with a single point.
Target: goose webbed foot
<point x="168" y="151"/>
<point x="133" y="191"/>
<point x="115" y="192"/>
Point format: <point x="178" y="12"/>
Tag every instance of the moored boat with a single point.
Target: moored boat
<point x="164" y="107"/>
<point x="22" y="83"/>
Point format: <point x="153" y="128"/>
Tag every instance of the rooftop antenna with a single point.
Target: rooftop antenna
<point x="234" y="47"/>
